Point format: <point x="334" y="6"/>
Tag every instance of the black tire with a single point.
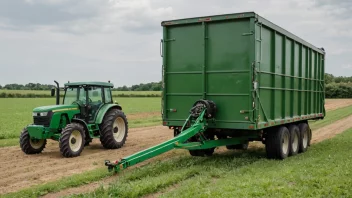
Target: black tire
<point x="202" y="152"/>
<point x="274" y="143"/>
<point x="107" y="138"/>
<point x="30" y="146"/>
<point x="238" y="146"/>
<point x="305" y="136"/>
<point x="294" y="139"/>
<point x="88" y="140"/>
<point x="310" y="136"/>
<point x="72" y="140"/>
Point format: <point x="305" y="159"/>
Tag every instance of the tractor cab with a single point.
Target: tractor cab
<point x="89" y="96"/>
<point x="87" y="112"/>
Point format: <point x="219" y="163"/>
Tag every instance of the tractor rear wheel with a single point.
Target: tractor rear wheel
<point x="114" y="129"/>
<point x="72" y="140"/>
<point x="29" y="145"/>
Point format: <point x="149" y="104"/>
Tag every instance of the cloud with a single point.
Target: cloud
<point x="347" y="66"/>
<point x="119" y="39"/>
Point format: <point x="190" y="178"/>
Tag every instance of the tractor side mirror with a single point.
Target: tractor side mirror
<point x="52" y="91"/>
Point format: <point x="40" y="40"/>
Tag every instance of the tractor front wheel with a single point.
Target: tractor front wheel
<point x="72" y="140"/>
<point x="29" y="145"/>
<point x="114" y="129"/>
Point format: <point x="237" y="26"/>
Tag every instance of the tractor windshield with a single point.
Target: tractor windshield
<point x="73" y="94"/>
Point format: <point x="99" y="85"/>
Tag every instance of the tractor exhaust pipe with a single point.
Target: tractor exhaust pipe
<point x="57" y="93"/>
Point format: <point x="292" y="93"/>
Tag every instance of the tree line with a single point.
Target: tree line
<point x="335" y="86"/>
<point x="338" y="87"/>
<point x="28" y="86"/>
<point x="153" y="86"/>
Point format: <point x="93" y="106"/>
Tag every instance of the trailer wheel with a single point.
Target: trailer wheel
<point x="202" y="152"/>
<point x="114" y="129"/>
<point x="310" y="136"/>
<point x="304" y="137"/>
<point x="294" y="139"/>
<point x="72" y="140"/>
<point x="238" y="146"/>
<point x="277" y="143"/>
<point x="31" y="146"/>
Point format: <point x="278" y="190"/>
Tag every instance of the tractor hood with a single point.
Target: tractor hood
<point x="55" y="108"/>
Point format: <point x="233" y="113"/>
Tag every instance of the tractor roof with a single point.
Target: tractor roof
<point x="102" y="84"/>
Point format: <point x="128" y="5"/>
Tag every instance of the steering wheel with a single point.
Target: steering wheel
<point x="83" y="99"/>
<point x="80" y="103"/>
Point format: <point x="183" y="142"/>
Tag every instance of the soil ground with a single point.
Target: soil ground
<point x="332" y="104"/>
<point x="23" y="170"/>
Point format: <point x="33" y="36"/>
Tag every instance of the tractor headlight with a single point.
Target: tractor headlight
<point x="40" y="114"/>
<point x="43" y="113"/>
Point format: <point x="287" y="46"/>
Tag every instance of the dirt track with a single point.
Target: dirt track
<point x="21" y="171"/>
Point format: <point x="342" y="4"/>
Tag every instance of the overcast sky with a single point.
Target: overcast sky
<point x="100" y="40"/>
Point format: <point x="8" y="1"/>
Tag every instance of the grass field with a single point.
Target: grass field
<point x="324" y="171"/>
<point x="16" y="113"/>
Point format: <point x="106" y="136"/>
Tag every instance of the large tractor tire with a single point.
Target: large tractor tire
<point x="114" y="129"/>
<point x="294" y="139"/>
<point x="72" y="140"/>
<point x="305" y="136"/>
<point x="31" y="146"/>
<point x="277" y="143"/>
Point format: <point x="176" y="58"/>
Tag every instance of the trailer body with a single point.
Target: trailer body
<point x="235" y="78"/>
<point x="258" y="74"/>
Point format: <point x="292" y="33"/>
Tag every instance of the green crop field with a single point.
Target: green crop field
<point x="16" y="113"/>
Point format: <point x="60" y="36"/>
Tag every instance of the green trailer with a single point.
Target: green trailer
<point x="244" y="78"/>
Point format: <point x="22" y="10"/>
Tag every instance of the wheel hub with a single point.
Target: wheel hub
<point x="36" y="144"/>
<point x="119" y="129"/>
<point x="75" y="140"/>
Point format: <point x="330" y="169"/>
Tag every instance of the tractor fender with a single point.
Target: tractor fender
<point x="103" y="110"/>
<point x="84" y="124"/>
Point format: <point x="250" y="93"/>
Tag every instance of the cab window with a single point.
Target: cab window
<point x="107" y="94"/>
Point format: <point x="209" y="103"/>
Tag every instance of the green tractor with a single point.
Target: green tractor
<point x="87" y="112"/>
